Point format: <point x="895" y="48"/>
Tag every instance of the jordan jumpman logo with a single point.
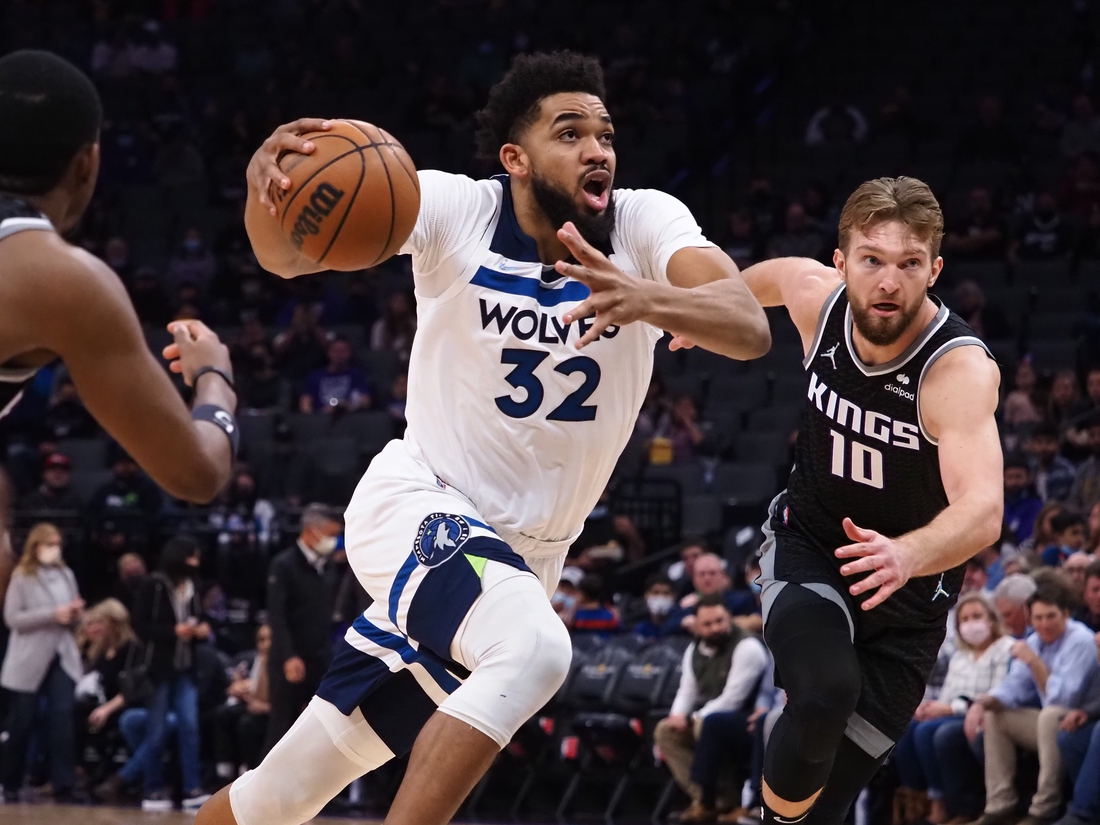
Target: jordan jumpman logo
<point x="831" y="354"/>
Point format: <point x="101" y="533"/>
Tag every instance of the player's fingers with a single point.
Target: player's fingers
<point x="305" y="124"/>
<point x="861" y="565"/>
<point x="181" y="332"/>
<point x="171" y="352"/>
<point x="884" y="592"/>
<point x="581" y="310"/>
<point x="601" y="323"/>
<point x="577" y="272"/>
<point x="176" y="367"/>
<point x="876" y="579"/>
<point x="581" y="249"/>
<point x="680" y="342"/>
<point x="860" y="549"/>
<point x="287" y="142"/>
<point x="857" y="533"/>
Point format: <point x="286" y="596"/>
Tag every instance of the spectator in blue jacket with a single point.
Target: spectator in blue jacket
<point x="660" y="601"/>
<point x="1069" y="538"/>
<point x="1022" y="506"/>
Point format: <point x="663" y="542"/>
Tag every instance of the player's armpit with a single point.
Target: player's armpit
<point x="802" y="285"/>
<point x="87" y="319"/>
<point x="958" y="399"/>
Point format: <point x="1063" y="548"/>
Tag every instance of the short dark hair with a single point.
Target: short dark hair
<point x="1050" y="590"/>
<point x="712" y="600"/>
<point x="655" y="579"/>
<point x="1065" y="520"/>
<point x="1092" y="571"/>
<point x="1045" y="428"/>
<point x="514" y="100"/>
<point x="591" y="587"/>
<point x="49" y="110"/>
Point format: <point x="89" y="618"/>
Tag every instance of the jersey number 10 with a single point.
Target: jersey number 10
<point x="523" y="377"/>
<point x="866" y="462"/>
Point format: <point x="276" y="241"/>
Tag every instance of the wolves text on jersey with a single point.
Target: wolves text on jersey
<point x="868" y="422"/>
<point x="525" y="324"/>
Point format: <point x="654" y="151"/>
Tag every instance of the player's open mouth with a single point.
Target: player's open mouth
<point x="885" y="309"/>
<point x="596" y="187"/>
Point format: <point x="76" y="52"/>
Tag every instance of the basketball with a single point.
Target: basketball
<point x="353" y="202"/>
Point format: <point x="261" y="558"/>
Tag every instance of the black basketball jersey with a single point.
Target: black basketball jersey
<point x="16" y="215"/>
<point x="862" y="449"/>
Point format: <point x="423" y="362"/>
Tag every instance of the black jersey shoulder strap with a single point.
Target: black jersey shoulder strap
<point x="822" y="321"/>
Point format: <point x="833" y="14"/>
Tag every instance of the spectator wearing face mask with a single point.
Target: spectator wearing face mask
<point x="1069" y="538"/>
<point x="168" y="620"/>
<point x="42" y="662"/>
<point x="933" y="756"/>
<point x="721" y="673"/>
<point x="659" y="602"/>
<point x="301" y="601"/>
<point x="564" y="600"/>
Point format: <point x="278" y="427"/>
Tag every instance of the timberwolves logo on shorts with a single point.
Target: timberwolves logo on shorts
<point x="439" y="537"/>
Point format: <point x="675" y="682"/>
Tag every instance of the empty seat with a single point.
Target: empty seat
<point x="744" y="483"/>
<point x="257" y="432"/>
<point x="85" y="482"/>
<point x="986" y="273"/>
<point x="737" y="392"/>
<point x="684" y="384"/>
<point x="764" y="448"/>
<point x="701" y="515"/>
<point x="1053" y="298"/>
<point x="1053" y="355"/>
<point x="1047" y="326"/>
<point x="1042" y="273"/>
<point x="372" y="430"/>
<point x="688" y="476"/>
<point x="85" y="453"/>
<point x="705" y="362"/>
<point x="309" y="427"/>
<point x="781" y="418"/>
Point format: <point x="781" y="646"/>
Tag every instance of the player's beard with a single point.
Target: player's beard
<point x="882" y="332"/>
<point x="560" y="208"/>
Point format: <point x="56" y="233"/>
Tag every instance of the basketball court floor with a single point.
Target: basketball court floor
<point x="101" y="815"/>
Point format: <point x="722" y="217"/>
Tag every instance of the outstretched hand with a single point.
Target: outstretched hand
<point x="263" y="173"/>
<point x="878" y="555"/>
<point x="616" y="297"/>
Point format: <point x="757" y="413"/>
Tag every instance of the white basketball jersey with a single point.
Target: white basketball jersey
<point x="501" y="404"/>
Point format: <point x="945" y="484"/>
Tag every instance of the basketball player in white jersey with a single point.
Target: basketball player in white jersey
<point x="520" y="402"/>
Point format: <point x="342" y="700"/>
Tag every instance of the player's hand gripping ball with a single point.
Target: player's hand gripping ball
<point x="352" y="201"/>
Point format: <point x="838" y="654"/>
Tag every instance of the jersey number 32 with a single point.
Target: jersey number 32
<point x="523" y="377"/>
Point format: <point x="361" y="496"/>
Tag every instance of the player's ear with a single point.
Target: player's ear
<point x="937" y="268"/>
<point x="838" y="262"/>
<point x="514" y="160"/>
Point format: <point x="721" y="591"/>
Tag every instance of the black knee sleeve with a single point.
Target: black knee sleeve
<point x="816" y="664"/>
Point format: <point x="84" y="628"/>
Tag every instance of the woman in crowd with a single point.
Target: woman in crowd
<point x="108" y="646"/>
<point x="933" y="755"/>
<point x="240" y="725"/>
<point x="167" y="619"/>
<point x="42" y="662"/>
<point x="1024" y="405"/>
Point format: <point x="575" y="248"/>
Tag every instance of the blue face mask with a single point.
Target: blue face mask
<point x="755" y="588"/>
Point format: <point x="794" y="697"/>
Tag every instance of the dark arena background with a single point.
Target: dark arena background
<point x="760" y="115"/>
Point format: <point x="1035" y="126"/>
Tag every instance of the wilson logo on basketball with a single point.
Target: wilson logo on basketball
<point x="313" y="214"/>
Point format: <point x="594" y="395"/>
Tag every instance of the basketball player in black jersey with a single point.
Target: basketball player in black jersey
<point x="58" y="301"/>
<point x="897" y="482"/>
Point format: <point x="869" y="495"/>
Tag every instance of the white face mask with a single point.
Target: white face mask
<point x="975" y="632"/>
<point x="49" y="554"/>
<point x="659" y="605"/>
<point x="325" y="545"/>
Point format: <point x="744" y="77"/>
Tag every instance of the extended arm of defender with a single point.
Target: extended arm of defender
<point x="802" y="285"/>
<point x="958" y="400"/>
